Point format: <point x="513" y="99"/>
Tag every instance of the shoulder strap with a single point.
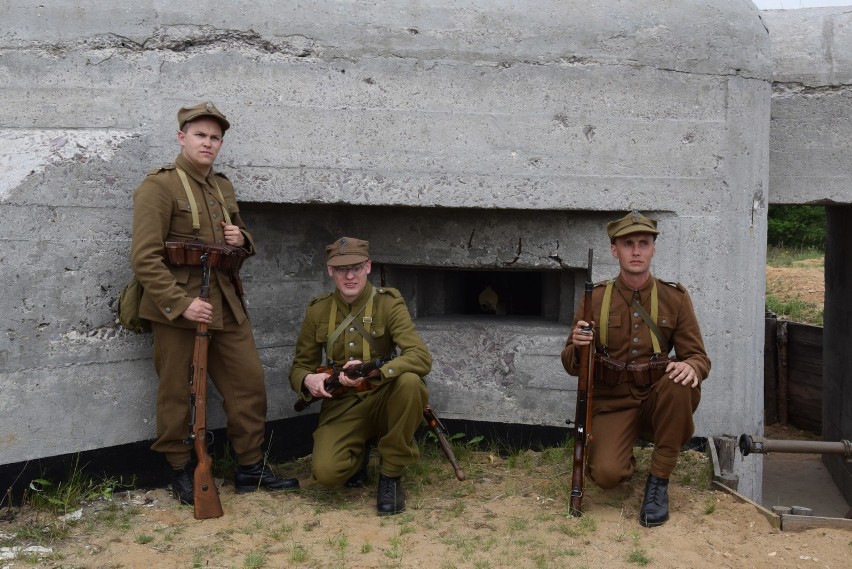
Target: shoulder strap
<point x="225" y="212"/>
<point x="196" y="225"/>
<point x="334" y="333"/>
<point x="604" y="323"/>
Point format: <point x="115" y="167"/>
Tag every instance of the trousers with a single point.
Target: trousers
<point x="233" y="365"/>
<point x="390" y="413"/>
<point x="623" y="414"/>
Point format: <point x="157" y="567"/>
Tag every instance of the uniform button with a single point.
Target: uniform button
<point x="635" y="340"/>
<point x="352" y="329"/>
<point x="635" y="315"/>
<point x="215" y="216"/>
<point x="634" y="352"/>
<point x="351" y="358"/>
<point x="211" y="202"/>
<point x="351" y="344"/>
<point x="390" y="371"/>
<point x="167" y="310"/>
<point x="665" y="321"/>
<point x="636" y="326"/>
<point x="633" y="361"/>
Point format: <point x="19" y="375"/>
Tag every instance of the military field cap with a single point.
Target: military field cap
<point x="347" y="251"/>
<point x="633" y="222"/>
<point x="206" y="109"/>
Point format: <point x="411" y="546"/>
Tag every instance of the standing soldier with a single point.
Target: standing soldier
<point x="638" y="390"/>
<point x="189" y="201"/>
<point x="358" y="322"/>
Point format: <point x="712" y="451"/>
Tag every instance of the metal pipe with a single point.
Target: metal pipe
<point x="759" y="445"/>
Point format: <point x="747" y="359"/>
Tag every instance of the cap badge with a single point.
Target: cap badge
<point x="343" y="246"/>
<point x="210" y="107"/>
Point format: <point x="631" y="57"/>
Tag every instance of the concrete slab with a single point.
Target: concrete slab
<point x="801" y="480"/>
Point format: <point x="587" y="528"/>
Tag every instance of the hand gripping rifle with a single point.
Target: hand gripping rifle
<point x="583" y="410"/>
<point x="333" y="385"/>
<point x="205" y="494"/>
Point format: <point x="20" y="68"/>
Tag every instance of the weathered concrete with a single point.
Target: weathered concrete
<point x="460" y="135"/>
<point x="810" y="154"/>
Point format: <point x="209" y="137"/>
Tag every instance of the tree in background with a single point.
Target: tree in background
<point x="796" y="226"/>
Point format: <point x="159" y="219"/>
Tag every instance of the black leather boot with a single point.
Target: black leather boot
<point x="655" y="506"/>
<point x="182" y="484"/>
<point x="250" y="478"/>
<point x="361" y="478"/>
<point x="391" y="499"/>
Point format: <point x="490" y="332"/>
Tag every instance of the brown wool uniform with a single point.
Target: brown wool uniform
<point x="623" y="412"/>
<point x="161" y="212"/>
<point x="392" y="411"/>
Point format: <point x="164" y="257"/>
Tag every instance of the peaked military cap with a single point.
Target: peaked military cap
<point x="633" y="222"/>
<point x="347" y="251"/>
<point x="206" y="109"/>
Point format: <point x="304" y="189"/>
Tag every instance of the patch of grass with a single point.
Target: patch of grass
<point x="710" y="506"/>
<point x="299" y="553"/>
<point x="694" y="469"/>
<point x="795" y="310"/>
<point x="144" y="538"/>
<point x="366" y="548"/>
<point x="255" y="560"/>
<point x="69" y="494"/>
<point x="638" y="557"/>
<point x="785" y="257"/>
<point x="576" y="527"/>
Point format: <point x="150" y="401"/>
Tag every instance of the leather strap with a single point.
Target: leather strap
<point x="334" y="333"/>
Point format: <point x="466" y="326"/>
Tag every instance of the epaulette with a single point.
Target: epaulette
<point x="162" y="168"/>
<point x="388" y="290"/>
<point x="221" y="175"/>
<point x="678" y="286"/>
<point x="316" y="299"/>
<point x="601" y="283"/>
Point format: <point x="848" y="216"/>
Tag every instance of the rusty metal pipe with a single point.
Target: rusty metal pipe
<point x="759" y="445"/>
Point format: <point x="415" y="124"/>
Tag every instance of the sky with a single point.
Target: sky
<point x="795" y="4"/>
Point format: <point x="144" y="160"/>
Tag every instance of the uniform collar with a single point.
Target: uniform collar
<point x="359" y="302"/>
<point x="644" y="290"/>
<point x="188" y="167"/>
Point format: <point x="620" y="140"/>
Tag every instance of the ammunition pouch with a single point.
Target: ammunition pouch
<point x="610" y="372"/>
<point x="219" y="256"/>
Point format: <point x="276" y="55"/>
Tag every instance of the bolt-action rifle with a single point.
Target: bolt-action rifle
<point x="583" y="410"/>
<point x="205" y="494"/>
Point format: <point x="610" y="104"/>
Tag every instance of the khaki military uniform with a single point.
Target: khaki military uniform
<point x="161" y="212"/>
<point x="624" y="412"/>
<point x="392" y="411"/>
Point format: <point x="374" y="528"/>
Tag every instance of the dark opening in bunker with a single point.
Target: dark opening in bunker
<point x="544" y="295"/>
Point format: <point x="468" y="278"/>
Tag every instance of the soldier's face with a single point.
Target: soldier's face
<point x="201" y="141"/>
<point x="634" y="253"/>
<point x="351" y="279"/>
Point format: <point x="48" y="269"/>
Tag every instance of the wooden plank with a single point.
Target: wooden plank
<point x="770" y="370"/>
<point x="774" y="519"/>
<point x="782" y="372"/>
<point x="790" y="522"/>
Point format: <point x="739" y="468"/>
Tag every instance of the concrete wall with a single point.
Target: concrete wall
<point x="480" y="134"/>
<point x="811" y="163"/>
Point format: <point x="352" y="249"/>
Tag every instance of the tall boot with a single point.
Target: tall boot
<point x="182" y="487"/>
<point x="655" y="506"/>
<point x="390" y="499"/>
<point x="250" y="478"/>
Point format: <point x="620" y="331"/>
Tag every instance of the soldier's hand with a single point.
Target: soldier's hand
<point x="199" y="311"/>
<point x="347" y="381"/>
<point x="315" y="384"/>
<point x="580" y="336"/>
<point x="233" y="235"/>
<point x="683" y="373"/>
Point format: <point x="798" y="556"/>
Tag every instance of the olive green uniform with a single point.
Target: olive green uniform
<point x="392" y="411"/>
<point x="624" y="412"/>
<point x="161" y="212"/>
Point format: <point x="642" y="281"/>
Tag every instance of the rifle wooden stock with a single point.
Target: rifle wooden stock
<point x="583" y="410"/>
<point x="437" y="427"/>
<point x="333" y="385"/>
<point x="205" y="494"/>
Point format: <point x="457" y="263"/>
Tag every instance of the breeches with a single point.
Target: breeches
<point x="622" y="414"/>
<point x="235" y="369"/>
<point x="390" y="413"/>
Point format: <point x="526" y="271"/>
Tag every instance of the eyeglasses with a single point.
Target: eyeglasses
<point x="356" y="269"/>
